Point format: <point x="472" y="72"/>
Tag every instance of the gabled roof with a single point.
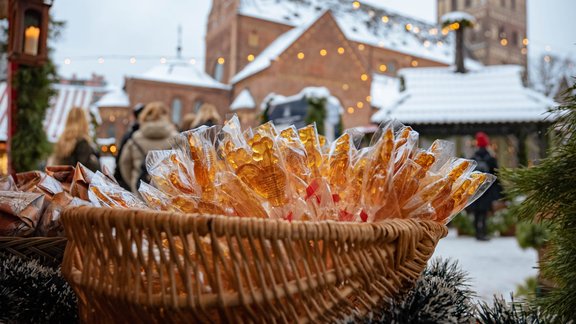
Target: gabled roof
<point x="271" y="53"/>
<point x="244" y="100"/>
<point x="369" y="24"/>
<point x="489" y="95"/>
<point x="180" y="73"/>
<point x="67" y="96"/>
<point x="116" y="97"/>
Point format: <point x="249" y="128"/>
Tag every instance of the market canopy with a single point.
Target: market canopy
<point x="437" y="95"/>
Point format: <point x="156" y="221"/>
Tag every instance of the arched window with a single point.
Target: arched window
<point x="197" y="104"/>
<point x="218" y="71"/>
<point x="176" y="110"/>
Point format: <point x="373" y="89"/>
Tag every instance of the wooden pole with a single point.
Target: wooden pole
<point x="12" y="113"/>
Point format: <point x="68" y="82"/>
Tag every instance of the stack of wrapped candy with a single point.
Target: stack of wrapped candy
<point x="295" y="174"/>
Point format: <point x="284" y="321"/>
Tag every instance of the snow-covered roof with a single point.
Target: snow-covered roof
<point x="369" y="24"/>
<point x="384" y="90"/>
<point x="67" y="96"/>
<point x="489" y="95"/>
<point x="116" y="97"/>
<point x="456" y="16"/>
<point x="244" y="100"/>
<point x="180" y="73"/>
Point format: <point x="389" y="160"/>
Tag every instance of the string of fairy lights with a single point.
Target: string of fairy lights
<point x="436" y="33"/>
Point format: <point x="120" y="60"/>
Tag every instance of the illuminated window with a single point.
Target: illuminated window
<point x="176" y="110"/>
<point x="253" y="39"/>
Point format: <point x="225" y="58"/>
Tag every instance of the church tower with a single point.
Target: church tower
<point x="499" y="36"/>
<point x="220" y="52"/>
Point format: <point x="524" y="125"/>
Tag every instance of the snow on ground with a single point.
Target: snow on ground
<point x="497" y="266"/>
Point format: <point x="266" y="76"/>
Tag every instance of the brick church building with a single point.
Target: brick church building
<point x="258" y="47"/>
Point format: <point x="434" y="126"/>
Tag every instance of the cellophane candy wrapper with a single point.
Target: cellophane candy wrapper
<point x="296" y="174"/>
<point x="50" y="224"/>
<point x="19" y="212"/>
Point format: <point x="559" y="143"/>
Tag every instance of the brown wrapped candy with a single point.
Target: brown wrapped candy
<point x="49" y="224"/>
<point x="81" y="182"/>
<point x="19" y="212"/>
<point x="63" y="174"/>
<point x="7" y="184"/>
<point x="26" y="181"/>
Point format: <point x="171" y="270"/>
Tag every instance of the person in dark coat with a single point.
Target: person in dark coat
<point x="75" y="144"/>
<point x="128" y="135"/>
<point x="483" y="205"/>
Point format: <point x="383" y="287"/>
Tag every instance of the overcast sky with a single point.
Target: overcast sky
<point x="147" y="30"/>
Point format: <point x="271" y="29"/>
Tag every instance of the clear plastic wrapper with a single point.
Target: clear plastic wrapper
<point x="63" y="174"/>
<point x="104" y="192"/>
<point x="7" y="184"/>
<point x="20" y="212"/>
<point x="154" y="198"/>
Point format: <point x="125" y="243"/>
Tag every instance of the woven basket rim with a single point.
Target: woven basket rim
<point x="243" y="226"/>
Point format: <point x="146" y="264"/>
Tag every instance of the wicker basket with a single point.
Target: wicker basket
<point x="144" y="266"/>
<point x="47" y="250"/>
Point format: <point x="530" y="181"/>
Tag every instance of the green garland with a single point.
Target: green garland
<point x="30" y="144"/>
<point x="316" y="113"/>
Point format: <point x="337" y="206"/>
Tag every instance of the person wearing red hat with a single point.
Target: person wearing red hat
<point x="487" y="163"/>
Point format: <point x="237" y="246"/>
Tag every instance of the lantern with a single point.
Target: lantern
<point x="28" y="24"/>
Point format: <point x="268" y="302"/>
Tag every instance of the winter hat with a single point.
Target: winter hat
<point x="482" y="140"/>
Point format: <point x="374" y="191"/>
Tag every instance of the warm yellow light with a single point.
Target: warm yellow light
<point x="408" y="27"/>
<point x="340" y="50"/>
<point x="31" y="41"/>
<point x="426" y="43"/>
<point x="416" y="30"/>
<point x="414" y="63"/>
<point x="361" y="47"/>
<point x="369" y="98"/>
<point x="364" y="77"/>
<point x="445" y="31"/>
<point x="132" y="60"/>
<point x="503" y="42"/>
<point x="383" y="68"/>
<point x="524" y="51"/>
<point x="547" y="58"/>
<point x="104" y="148"/>
<point x="300" y="56"/>
<point x="433" y="31"/>
<point x="250" y="57"/>
<point x="385" y="19"/>
<point x="455" y="26"/>
<point x="345" y="86"/>
<point x="221" y="60"/>
<point x="113" y="149"/>
<point x="350" y="110"/>
<point x="525" y="42"/>
<point x="360" y="104"/>
<point x="356" y="4"/>
<point x="323" y="52"/>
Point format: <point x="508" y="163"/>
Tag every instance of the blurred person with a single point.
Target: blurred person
<point x="75" y="143"/>
<point x="154" y="133"/>
<point x="187" y="122"/>
<point x="207" y="116"/>
<point x="128" y="135"/>
<point x="487" y="163"/>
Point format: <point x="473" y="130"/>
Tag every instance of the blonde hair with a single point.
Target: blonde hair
<point x="205" y="113"/>
<point x="153" y="111"/>
<point x="76" y="129"/>
<point x="188" y="121"/>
